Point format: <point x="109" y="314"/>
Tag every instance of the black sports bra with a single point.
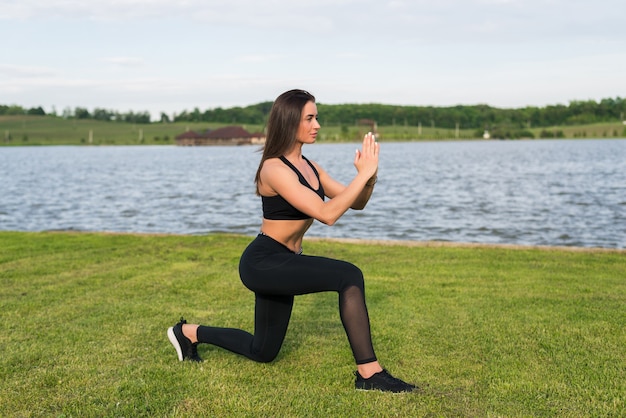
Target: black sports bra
<point x="277" y="208"/>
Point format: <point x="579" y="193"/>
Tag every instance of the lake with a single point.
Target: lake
<point x="541" y="192"/>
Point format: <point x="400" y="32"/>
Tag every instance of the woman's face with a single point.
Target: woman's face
<point x="307" y="131"/>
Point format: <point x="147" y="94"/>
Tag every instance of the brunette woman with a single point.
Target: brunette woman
<point x="273" y="266"/>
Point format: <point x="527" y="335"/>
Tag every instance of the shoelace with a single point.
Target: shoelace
<point x="389" y="378"/>
<point x="193" y="350"/>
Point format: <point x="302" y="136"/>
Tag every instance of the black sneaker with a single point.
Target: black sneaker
<point x="383" y="381"/>
<point x="183" y="345"/>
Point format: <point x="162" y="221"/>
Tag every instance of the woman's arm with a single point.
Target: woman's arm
<point x="332" y="188"/>
<point x="285" y="182"/>
<point x="366" y="193"/>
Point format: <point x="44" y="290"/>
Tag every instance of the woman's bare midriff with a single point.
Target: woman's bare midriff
<point x="287" y="232"/>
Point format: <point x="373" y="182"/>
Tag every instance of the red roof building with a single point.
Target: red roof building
<point x="228" y="135"/>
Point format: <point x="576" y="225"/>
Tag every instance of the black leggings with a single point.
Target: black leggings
<point x="275" y="274"/>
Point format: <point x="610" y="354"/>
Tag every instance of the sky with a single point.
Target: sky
<point x="175" y="55"/>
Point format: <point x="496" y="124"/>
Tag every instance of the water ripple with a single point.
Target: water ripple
<point x="516" y="192"/>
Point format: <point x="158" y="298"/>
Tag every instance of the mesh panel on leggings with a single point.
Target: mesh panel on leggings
<point x="356" y="322"/>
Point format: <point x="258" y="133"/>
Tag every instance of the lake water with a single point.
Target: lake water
<point x="560" y="192"/>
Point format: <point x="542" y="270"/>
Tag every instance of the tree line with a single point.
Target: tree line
<point x="81" y="113"/>
<point x="463" y="116"/>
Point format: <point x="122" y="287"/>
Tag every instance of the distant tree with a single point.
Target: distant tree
<point x="81" y="113"/>
<point x="195" y="115"/>
<point x="67" y="113"/>
<point x="36" y="111"/>
<point x="11" y="110"/>
<point x="511" y="121"/>
<point x="182" y="117"/>
<point x="139" y="117"/>
<point x="103" y="114"/>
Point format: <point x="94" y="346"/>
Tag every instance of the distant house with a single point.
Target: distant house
<point x="188" y="138"/>
<point x="257" y="138"/>
<point x="371" y="123"/>
<point x="228" y="135"/>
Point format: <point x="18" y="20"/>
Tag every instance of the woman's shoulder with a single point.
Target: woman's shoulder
<point x="273" y="162"/>
<point x="274" y="167"/>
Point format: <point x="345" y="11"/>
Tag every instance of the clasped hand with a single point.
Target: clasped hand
<point x="366" y="159"/>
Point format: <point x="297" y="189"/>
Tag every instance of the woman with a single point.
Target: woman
<point x="292" y="191"/>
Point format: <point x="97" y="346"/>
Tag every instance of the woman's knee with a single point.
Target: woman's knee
<point x="267" y="354"/>
<point x="265" y="357"/>
<point x="353" y="276"/>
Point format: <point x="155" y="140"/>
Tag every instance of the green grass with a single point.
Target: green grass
<point x="46" y="130"/>
<point x="485" y="331"/>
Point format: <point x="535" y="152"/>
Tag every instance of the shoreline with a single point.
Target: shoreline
<point x="361" y="241"/>
<point x="450" y="244"/>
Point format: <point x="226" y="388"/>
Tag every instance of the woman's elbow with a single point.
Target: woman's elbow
<point x="328" y="222"/>
<point x="327" y="219"/>
<point x="358" y="206"/>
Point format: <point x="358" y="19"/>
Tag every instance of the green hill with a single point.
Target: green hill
<point x="51" y="130"/>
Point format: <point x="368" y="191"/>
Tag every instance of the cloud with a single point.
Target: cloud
<point x="260" y="58"/>
<point x="124" y="61"/>
<point x="216" y="10"/>
<point x="175" y="55"/>
<point x="444" y="21"/>
<point x="77" y="9"/>
<point x="21" y="71"/>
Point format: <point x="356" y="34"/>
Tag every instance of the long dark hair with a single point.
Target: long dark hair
<point x="282" y="126"/>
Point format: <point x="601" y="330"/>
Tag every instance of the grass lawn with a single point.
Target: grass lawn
<point x="485" y="331"/>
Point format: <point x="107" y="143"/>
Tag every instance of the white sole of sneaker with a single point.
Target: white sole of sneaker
<point x="172" y="337"/>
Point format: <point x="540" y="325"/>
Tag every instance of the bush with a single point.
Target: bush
<point x="512" y="134"/>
